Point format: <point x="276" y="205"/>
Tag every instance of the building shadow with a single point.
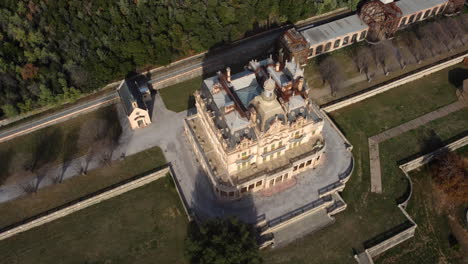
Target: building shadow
<point x="456" y="76"/>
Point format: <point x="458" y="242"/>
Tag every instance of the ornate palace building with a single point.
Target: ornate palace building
<point x="257" y="129"/>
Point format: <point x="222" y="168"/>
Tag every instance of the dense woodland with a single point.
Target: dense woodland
<point x="53" y="51"/>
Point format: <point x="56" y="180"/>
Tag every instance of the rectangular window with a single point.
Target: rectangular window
<point x="309" y="162"/>
<point x="273" y="146"/>
<point x="251" y="186"/>
<point x="353" y="39"/>
<point x="286" y="176"/>
<point x="223" y="193"/>
<point x="265" y="149"/>
<point x="279" y="179"/>
<point x="295" y="168"/>
<point x="280" y="144"/>
<point x="272" y="182"/>
<point x="244" y="189"/>
<point x="258" y="183"/>
<point x="311" y="52"/>
<point x="345" y="40"/>
<point x="278" y="154"/>
<point x="337" y="43"/>
<point x="301" y="166"/>
<point x="327" y="46"/>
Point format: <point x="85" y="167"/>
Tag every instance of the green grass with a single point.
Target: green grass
<point x="53" y="144"/>
<point x="431" y="243"/>
<point x="179" y="97"/>
<point x="369" y="214"/>
<point x="146" y="225"/>
<point x="76" y="187"/>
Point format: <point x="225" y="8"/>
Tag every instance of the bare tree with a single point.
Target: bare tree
<point x="332" y="72"/>
<point x="453" y="27"/>
<point x="384" y="56"/>
<point x="364" y="61"/>
<point x="442" y="36"/>
<point x="415" y="46"/>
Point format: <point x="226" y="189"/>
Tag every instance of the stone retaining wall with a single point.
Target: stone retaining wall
<point x="81" y="204"/>
<point x="372" y="92"/>
<point x="391" y="242"/>
<point x="424" y="159"/>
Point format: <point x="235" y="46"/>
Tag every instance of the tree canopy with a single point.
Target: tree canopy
<point x="56" y="50"/>
<point x="222" y="242"/>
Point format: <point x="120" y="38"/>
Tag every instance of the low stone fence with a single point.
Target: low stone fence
<point x="392" y="241"/>
<point x="82" y="203"/>
<point x="424" y="159"/>
<point x="408" y="77"/>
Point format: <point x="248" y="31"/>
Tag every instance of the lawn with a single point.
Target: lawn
<point x="52" y="145"/>
<point x="431" y="243"/>
<point x="369" y="214"/>
<point x="146" y="225"/>
<point x="179" y="97"/>
<point x="73" y="188"/>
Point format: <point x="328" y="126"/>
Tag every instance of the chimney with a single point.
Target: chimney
<point x="277" y="67"/>
<point x="228" y="74"/>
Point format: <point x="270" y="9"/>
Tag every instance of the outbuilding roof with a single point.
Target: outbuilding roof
<point x="409" y="7"/>
<point x="130" y="96"/>
<point x="335" y="29"/>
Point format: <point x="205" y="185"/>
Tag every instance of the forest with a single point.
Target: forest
<point x="55" y="51"/>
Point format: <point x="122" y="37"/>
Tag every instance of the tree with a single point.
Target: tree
<point x="332" y="72"/>
<point x="221" y="241"/>
<point x="384" y="55"/>
<point x="364" y="60"/>
<point x="450" y="176"/>
<point x="9" y="110"/>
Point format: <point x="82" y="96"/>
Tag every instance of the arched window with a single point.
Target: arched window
<point x="353" y="39"/>
<point x="403" y="22"/>
<point x="363" y="35"/>
<point x="426" y="13"/>
<point x="318" y="50"/>
<point x="337" y="43"/>
<point x="345" y="40"/>
<point x="418" y="17"/>
<point x="327" y="46"/>
<point x="411" y="19"/>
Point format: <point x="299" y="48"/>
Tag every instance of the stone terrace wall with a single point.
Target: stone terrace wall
<point x="354" y="98"/>
<point x="418" y="162"/>
<point x="80" y="204"/>
<point x="391" y="242"/>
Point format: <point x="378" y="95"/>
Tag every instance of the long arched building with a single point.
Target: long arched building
<point x="376" y="20"/>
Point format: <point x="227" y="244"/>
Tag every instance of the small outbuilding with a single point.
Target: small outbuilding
<point x="134" y="97"/>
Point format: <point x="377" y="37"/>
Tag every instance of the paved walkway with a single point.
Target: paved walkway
<point x="374" y="156"/>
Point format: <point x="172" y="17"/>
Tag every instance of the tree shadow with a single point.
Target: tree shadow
<point x="70" y="150"/>
<point x="6" y="158"/>
<point x="457" y="76"/>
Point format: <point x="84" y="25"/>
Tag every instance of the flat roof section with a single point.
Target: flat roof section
<point x="409" y="7"/>
<point x="332" y="30"/>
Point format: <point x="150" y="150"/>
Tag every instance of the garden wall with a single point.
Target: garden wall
<point x="82" y="203"/>
<point x="392" y="84"/>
